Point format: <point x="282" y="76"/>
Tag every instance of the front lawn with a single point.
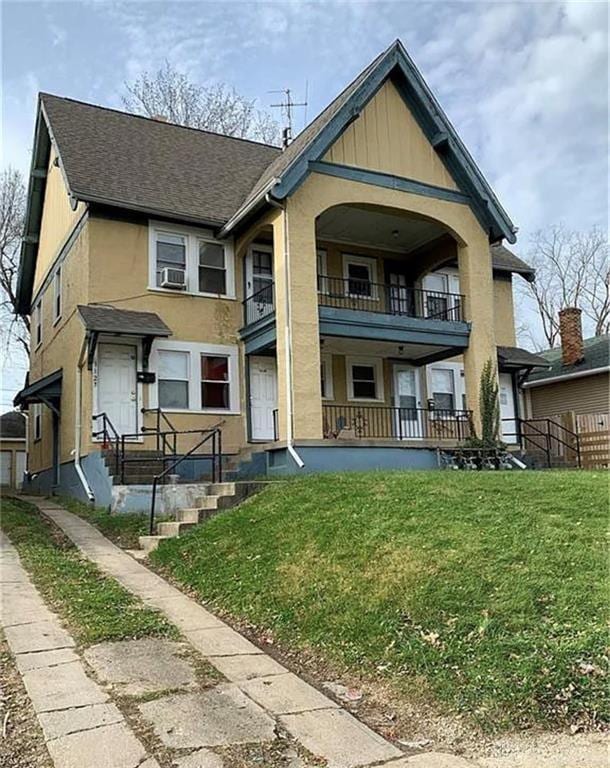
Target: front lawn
<point x="485" y="591"/>
<point x="95" y="607"/>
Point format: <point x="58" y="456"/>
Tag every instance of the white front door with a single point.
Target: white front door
<point x="116" y="386"/>
<point x="508" y="428"/>
<point x="263" y="397"/>
<point x="20" y="464"/>
<point x="6" y="468"/>
<point x="407" y="399"/>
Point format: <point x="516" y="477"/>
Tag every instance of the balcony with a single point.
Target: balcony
<point x="427" y="325"/>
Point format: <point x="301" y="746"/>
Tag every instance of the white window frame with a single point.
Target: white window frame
<point x="452" y="285"/>
<point x="459" y="382"/>
<point x="192" y="236"/>
<point x="38" y="324"/>
<point x="57" y="295"/>
<point x="326" y="362"/>
<point x="195" y="351"/>
<point x="322" y="262"/>
<point x="363" y="261"/>
<point x="37" y="422"/>
<point x="377" y="364"/>
<point x="187" y="379"/>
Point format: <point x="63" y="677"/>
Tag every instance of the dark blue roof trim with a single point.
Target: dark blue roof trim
<point x="398" y="66"/>
<point x="388" y="181"/>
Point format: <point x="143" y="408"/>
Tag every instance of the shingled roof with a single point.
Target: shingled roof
<point x="12" y="426"/>
<point x="596" y="355"/>
<point x="150" y="165"/>
<point x="504" y="260"/>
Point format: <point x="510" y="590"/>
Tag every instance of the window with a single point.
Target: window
<point x="360" y="273"/>
<point x="207" y="263"/>
<point x="212" y="268"/>
<point x="195" y="377"/>
<point x="173" y="375"/>
<point x="57" y="295"/>
<point x="38" y="324"/>
<point x="442" y="296"/>
<point x="322" y="271"/>
<point x="170" y="252"/>
<point x="262" y="272"/>
<point x="326" y="377"/>
<point x="37" y="421"/>
<point x="364" y="379"/>
<point x="215" y="386"/>
<point x="443" y="389"/>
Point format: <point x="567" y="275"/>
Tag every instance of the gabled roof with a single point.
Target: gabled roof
<point x="107" y="319"/>
<point x="503" y="260"/>
<point x="12" y="426"/>
<point x="293" y="165"/>
<point x="596" y="356"/>
<point x="149" y="165"/>
<point x="516" y="357"/>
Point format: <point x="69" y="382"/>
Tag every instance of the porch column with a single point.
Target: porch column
<point x="296" y="312"/>
<point x="476" y="283"/>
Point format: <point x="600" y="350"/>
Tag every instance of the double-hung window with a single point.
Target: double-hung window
<point x="37" y="421"/>
<point x="443" y="388"/>
<point x="57" y="298"/>
<point x="173" y="376"/>
<point x="195" y="377"/>
<point x="199" y="263"/>
<point x="37" y="331"/>
<point x="364" y="379"/>
<point x="215" y="382"/>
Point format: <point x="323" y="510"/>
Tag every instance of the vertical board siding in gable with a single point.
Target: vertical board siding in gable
<point x="387" y="138"/>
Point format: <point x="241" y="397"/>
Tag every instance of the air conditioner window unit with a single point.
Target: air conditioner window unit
<point x="173" y="278"/>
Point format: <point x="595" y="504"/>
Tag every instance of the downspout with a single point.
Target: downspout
<point x="287" y="336"/>
<point x="78" y="425"/>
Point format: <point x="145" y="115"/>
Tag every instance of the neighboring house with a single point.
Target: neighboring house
<point x="577" y="379"/>
<point x="332" y="304"/>
<point x="12" y="449"/>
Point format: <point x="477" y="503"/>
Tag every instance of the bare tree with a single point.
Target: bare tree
<point x="14" y="329"/>
<point x="571" y="271"/>
<point x="219" y="108"/>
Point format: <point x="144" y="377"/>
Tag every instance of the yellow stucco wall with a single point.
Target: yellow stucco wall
<point x="504" y="313"/>
<point x="58" y="220"/>
<point x="387" y="138"/>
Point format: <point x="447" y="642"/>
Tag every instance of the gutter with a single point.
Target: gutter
<point x="288" y="336"/>
<point x="566" y="377"/>
<point x="78" y="424"/>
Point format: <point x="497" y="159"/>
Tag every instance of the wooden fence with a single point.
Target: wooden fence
<point x="594" y="435"/>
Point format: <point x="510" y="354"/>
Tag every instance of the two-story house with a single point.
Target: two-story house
<point x="330" y="305"/>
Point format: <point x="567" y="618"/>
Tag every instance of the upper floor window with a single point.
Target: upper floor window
<point x="57" y="297"/>
<point x="37" y="329"/>
<point x="191" y="261"/>
<point x="360" y="273"/>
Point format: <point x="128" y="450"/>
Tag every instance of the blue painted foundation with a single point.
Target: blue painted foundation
<point x="339" y="458"/>
<point x="69" y="484"/>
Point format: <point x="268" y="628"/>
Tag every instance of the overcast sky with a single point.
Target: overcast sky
<point x="524" y="83"/>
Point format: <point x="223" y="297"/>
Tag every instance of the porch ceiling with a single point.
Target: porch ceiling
<point x="387" y="231"/>
<point x="410" y="353"/>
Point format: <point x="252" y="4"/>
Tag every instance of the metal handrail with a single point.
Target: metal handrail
<point x="259" y="304"/>
<point x="386" y="298"/>
<point x="573" y="435"/>
<point x="215" y="436"/>
<point x="393" y="422"/>
<point x="160" y="414"/>
<point x="107" y="437"/>
<point x="547" y="435"/>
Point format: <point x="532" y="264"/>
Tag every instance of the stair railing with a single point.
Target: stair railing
<point x="545" y="433"/>
<point x="213" y="436"/>
<point x="161" y="420"/>
<point x="110" y="437"/>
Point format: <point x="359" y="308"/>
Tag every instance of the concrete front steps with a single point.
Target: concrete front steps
<point x="219" y="496"/>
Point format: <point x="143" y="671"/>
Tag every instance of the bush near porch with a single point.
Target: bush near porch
<point x="486" y="591"/>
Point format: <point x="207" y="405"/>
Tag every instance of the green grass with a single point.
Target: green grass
<point x="485" y="591"/>
<point x="94" y="606"/>
<point x="123" y="529"/>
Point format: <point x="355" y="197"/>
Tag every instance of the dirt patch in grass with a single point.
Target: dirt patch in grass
<point x="21" y="740"/>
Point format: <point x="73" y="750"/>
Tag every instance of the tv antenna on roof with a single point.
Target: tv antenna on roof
<point x="287" y="107"/>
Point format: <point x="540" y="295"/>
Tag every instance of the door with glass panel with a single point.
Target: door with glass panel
<point x="407" y="401"/>
<point x="398" y="294"/>
<point x="441" y="296"/>
<point x="259" y="281"/>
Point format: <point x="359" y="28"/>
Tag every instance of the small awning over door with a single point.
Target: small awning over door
<point x="46" y="390"/>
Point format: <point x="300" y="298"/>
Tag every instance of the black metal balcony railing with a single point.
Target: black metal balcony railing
<point x="259" y="305"/>
<point x="364" y="295"/>
<point x="364" y="422"/>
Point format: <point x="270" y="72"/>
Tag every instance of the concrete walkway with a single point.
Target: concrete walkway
<point x="81" y="726"/>
<point x="315" y="721"/>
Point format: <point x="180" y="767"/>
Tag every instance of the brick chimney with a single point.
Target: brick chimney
<point x="570" y="330"/>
